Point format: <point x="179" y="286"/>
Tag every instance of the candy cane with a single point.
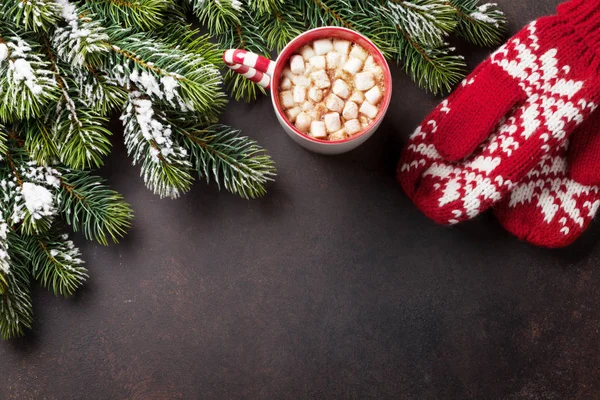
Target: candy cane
<point x="255" y="76"/>
<point x="257" y="68"/>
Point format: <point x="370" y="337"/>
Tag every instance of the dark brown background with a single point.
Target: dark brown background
<point x="333" y="286"/>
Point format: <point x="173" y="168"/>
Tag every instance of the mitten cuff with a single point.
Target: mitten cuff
<point x="584" y="17"/>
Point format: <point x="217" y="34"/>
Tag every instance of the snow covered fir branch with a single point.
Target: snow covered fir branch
<point x="412" y="33"/>
<point x="37" y="202"/>
<point x="66" y="67"/>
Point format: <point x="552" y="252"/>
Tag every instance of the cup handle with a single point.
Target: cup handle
<point x="252" y="66"/>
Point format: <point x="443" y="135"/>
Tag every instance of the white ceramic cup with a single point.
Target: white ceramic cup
<point x="267" y="73"/>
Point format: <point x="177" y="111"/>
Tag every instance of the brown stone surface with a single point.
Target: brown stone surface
<point x="333" y="286"/>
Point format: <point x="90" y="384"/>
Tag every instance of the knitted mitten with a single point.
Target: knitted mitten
<point x="553" y="206"/>
<point x="511" y="112"/>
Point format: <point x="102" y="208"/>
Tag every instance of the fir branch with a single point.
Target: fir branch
<point x="425" y="21"/>
<point x="189" y="40"/>
<point x="3" y="141"/>
<point x="27" y="190"/>
<point x="176" y="12"/>
<point x="148" y="138"/>
<point x="322" y="13"/>
<point x="136" y="14"/>
<point x="434" y="69"/>
<point x="4" y="247"/>
<point x="266" y="6"/>
<point x="16" y="314"/>
<point x="218" y="15"/>
<point x="282" y="23"/>
<point x="16" y="310"/>
<point x="180" y="80"/>
<point x="242" y="89"/>
<point x="406" y="34"/>
<point x="235" y="162"/>
<point x="95" y="92"/>
<point x="32" y="15"/>
<point x="82" y="136"/>
<point x="31" y="196"/>
<point x="483" y="25"/>
<point x="89" y="206"/>
<point x="244" y="36"/>
<point x="82" y="41"/>
<point x="39" y="141"/>
<point x="27" y="83"/>
<point x="56" y="263"/>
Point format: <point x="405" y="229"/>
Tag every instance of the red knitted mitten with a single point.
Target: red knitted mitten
<point x="523" y="103"/>
<point x="551" y="206"/>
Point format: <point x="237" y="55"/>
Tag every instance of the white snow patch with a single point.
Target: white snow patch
<point x="3" y="52"/>
<point x="22" y="71"/>
<point x="52" y="180"/>
<point x="170" y="85"/>
<point x="38" y="200"/>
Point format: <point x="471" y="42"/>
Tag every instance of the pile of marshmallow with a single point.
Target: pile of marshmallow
<point x="331" y="90"/>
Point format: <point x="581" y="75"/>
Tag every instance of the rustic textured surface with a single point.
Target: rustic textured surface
<point x="333" y="286"/>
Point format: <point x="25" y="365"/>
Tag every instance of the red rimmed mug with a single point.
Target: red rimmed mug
<point x="267" y="73"/>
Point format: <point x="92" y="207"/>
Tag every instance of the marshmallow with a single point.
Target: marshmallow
<point x="364" y="121"/>
<point x="307" y="52"/>
<point x="357" y="97"/>
<point x="303" y="122"/>
<point x="287" y="99"/>
<point x="301" y="80"/>
<point x="292" y="113"/>
<point x="297" y="64"/>
<point x="364" y="80"/>
<point x="322" y="46"/>
<point x="334" y="103"/>
<point x="342" y="46"/>
<point x="299" y="93"/>
<point x="317" y="129"/>
<point x="308" y="105"/>
<point x="285" y="84"/>
<point x="335" y="60"/>
<point x="350" y="110"/>
<point x="288" y="73"/>
<point x="341" y="89"/>
<point x="374" y="95"/>
<point x="319" y="110"/>
<point x="370" y="63"/>
<point x="317" y="62"/>
<point x="315" y="94"/>
<point x="353" y="65"/>
<point x="359" y="52"/>
<point x="377" y="72"/>
<point x="344" y="75"/>
<point x="353" y="126"/>
<point x="314" y="115"/>
<point x="338" y="135"/>
<point x="320" y="79"/>
<point x="332" y="122"/>
<point x="368" y="109"/>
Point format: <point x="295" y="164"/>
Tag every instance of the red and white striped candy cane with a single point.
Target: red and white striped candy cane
<point x="250" y="65"/>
